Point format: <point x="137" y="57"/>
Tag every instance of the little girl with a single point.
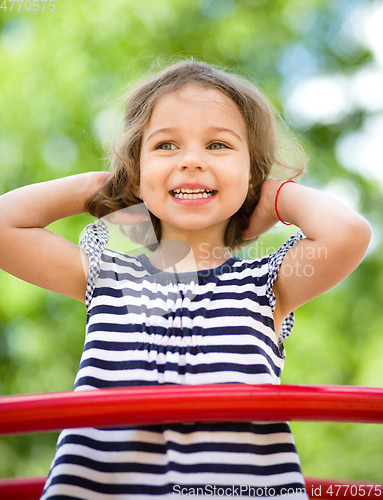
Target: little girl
<point x="196" y="153"/>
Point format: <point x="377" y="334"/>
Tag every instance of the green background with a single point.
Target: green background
<point x="62" y="74"/>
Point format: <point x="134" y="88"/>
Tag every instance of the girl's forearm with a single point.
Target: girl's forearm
<point x="38" y="205"/>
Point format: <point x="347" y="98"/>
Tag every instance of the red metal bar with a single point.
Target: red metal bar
<point x="173" y="403"/>
<point x="25" y="488"/>
<point x="31" y="488"/>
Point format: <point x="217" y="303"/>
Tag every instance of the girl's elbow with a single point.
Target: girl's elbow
<point x="367" y="232"/>
<point x="362" y="231"/>
<point x="357" y="236"/>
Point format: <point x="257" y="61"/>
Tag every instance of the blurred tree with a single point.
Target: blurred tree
<point x="63" y="72"/>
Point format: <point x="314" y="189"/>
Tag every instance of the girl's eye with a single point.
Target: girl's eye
<point x="166" y="146"/>
<point x="217" y="145"/>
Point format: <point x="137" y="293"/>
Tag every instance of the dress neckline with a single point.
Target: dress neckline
<point x="216" y="271"/>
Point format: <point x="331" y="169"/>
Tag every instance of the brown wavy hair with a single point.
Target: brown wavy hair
<point x="263" y="133"/>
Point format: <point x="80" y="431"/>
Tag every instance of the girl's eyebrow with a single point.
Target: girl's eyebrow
<point x="224" y="129"/>
<point x="214" y="129"/>
<point x="165" y="130"/>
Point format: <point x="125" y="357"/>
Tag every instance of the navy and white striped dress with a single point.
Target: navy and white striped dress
<point x="148" y="327"/>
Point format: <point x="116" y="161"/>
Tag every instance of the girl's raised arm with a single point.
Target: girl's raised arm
<point x="336" y="241"/>
<point x="35" y="254"/>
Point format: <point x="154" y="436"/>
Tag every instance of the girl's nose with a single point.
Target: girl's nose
<point x="192" y="160"/>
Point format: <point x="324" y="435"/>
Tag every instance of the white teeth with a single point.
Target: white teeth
<point x="192" y="195"/>
<point x="188" y="191"/>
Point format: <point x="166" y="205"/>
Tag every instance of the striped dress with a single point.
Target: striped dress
<point x="149" y="327"/>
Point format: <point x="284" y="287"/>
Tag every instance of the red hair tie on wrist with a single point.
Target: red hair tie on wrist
<point x="276" y="201"/>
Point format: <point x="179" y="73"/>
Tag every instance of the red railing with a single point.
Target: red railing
<point x="207" y="403"/>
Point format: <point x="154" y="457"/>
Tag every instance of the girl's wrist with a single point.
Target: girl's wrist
<point x="283" y="201"/>
<point x="282" y="184"/>
<point x="276" y="209"/>
<point x="96" y="180"/>
<point x="93" y="181"/>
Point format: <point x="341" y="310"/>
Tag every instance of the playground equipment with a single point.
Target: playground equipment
<point x="176" y="404"/>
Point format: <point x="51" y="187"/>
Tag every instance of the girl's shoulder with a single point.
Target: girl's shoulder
<point x="94" y="237"/>
<point x="272" y="259"/>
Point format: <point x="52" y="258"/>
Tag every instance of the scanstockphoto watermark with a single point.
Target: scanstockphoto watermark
<point x="303" y="256"/>
<point x="245" y="490"/>
<point x="135" y="225"/>
<point x="27" y="5"/>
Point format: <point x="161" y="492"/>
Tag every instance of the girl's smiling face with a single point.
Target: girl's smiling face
<point x="195" y="162"/>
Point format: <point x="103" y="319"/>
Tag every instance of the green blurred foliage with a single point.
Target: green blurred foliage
<point x="62" y="75"/>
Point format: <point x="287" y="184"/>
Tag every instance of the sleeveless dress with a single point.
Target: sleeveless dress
<point x="149" y="327"/>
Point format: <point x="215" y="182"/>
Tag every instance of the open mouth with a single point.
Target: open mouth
<point x="192" y="194"/>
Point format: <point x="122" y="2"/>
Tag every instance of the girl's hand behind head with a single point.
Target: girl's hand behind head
<point x="264" y="217"/>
